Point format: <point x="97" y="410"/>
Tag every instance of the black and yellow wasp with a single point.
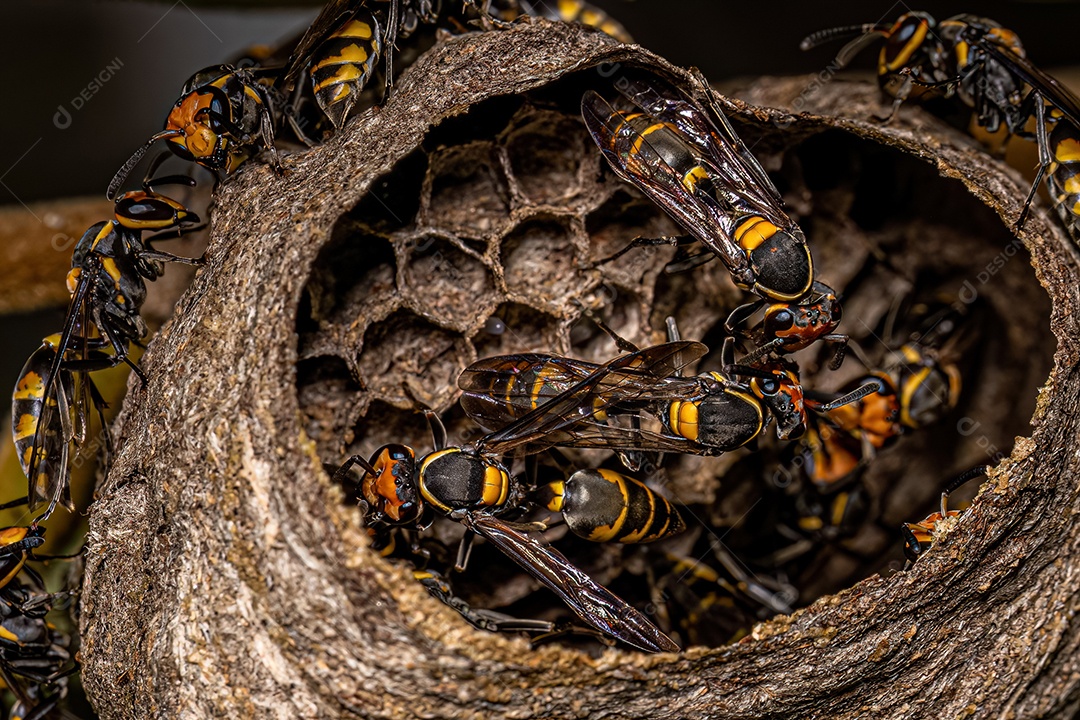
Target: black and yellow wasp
<point x="709" y="414"/>
<point x="223" y="116"/>
<point x="572" y="11"/>
<point x="46" y="420"/>
<point x="35" y="657"/>
<point x="472" y="486"/>
<point x="787" y="327"/>
<point x="107" y="281"/>
<point x="226" y="113"/>
<point x="338" y="55"/>
<point x="975" y="63"/>
<point x="688" y="159"/>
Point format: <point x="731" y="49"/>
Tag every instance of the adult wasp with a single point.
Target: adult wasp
<point x="473" y="487"/>
<point x="975" y="63"/>
<point x="919" y="536"/>
<point x="918" y="385"/>
<point x="688" y="160"/>
<point x="708" y="414"/>
<point x="340" y="51"/>
<point x="107" y="281"/>
<point x="224" y="113"/>
<point x="35" y="659"/>
<point x="573" y="11"/>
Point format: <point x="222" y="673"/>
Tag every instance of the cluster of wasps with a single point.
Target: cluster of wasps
<point x="224" y="116"/>
<point x="684" y="155"/>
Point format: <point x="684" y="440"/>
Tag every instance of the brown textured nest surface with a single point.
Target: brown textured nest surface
<point x="226" y="577"/>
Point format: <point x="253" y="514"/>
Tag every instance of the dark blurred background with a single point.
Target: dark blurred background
<point x="88" y="82"/>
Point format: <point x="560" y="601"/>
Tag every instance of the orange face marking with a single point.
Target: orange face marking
<point x="189" y="117"/>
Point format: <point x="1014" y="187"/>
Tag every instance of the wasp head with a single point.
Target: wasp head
<point x="391" y="491"/>
<point x="783" y="395"/>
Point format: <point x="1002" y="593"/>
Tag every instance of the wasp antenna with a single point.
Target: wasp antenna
<point x="342" y="472"/>
<point x="15" y="503"/>
<point x="856" y="46"/>
<point x="857" y="394"/>
<point x="762" y="351"/>
<point x="122" y="174"/>
<point x="823" y="36"/>
<point x="438" y="430"/>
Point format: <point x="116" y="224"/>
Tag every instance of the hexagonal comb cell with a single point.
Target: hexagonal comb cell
<point x="515" y="328"/>
<point x="545" y="152"/>
<point x="623" y="217"/>
<point x="354" y="270"/>
<point x="327" y="390"/>
<point x="407" y="350"/>
<point x="465" y="191"/>
<point x="538" y="260"/>
<point x="447" y="281"/>
<point x="394" y="199"/>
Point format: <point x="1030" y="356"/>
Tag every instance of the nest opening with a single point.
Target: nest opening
<point x="484" y="252"/>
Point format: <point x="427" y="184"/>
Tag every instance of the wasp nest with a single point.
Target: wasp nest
<point x="227" y="577"/>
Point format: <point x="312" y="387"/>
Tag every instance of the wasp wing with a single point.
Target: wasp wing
<point x="590" y="601"/>
<point x="621" y="438"/>
<point x="697" y="211"/>
<point x="625" y="379"/>
<point x="712" y="134"/>
<point x="52" y="480"/>
<point x="495" y="394"/>
<point x="493" y="400"/>
<point x="41" y="422"/>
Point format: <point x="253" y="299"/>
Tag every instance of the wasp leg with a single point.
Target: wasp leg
<point x="841" y="350"/>
<point x="620" y="342"/>
<point x="560" y="631"/>
<point x="341" y="475"/>
<point x="736" y="319"/>
<point x="912" y="547"/>
<point x="1042" y="141"/>
<point x="960" y="480"/>
<point x="266" y="126"/>
<point x="901" y="96"/>
<point x="674" y="240"/>
<point x="689" y="262"/>
<point x="777" y="599"/>
<point x="120" y="351"/>
<point x="390" y="43"/>
<point x="481" y="619"/>
<point x="152" y="254"/>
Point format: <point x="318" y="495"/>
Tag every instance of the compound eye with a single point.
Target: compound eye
<point x="783" y="320"/>
<point x="768" y="387"/>
<point x="908" y="29"/>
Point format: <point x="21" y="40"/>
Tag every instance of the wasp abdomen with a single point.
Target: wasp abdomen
<point x="1064" y="178"/>
<point x="781" y="261"/>
<point x="606" y="506"/>
<point x="723" y="420"/>
<point x="343" y="64"/>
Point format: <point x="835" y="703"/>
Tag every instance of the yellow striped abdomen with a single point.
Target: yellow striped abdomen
<point x="342" y="65"/>
<point x="606" y="506"/>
